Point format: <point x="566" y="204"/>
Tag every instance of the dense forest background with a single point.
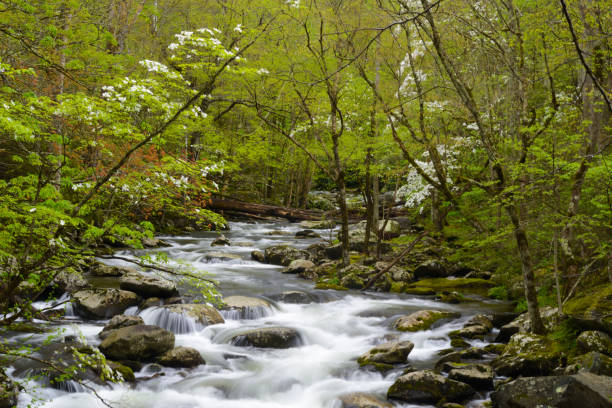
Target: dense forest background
<point x="489" y="119"/>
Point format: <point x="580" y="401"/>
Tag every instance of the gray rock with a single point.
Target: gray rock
<point x="103" y="303"/>
<point x="323" y="224"/>
<point x="334" y="251"/>
<point x="258" y="256"/>
<point x="148" y="286"/>
<point x="307" y="234"/>
<point x="118" y="322"/>
<point x="100" y="269"/>
<point x="430" y="269"/>
<point x="69" y="281"/>
<point x="427" y="387"/>
<point x="139" y="343"/>
<point x="361" y="400"/>
<point x="423" y="319"/>
<point x="594" y="340"/>
<point x="220" y="241"/>
<point x="527" y="355"/>
<point x="301" y="266"/>
<point x="592" y="362"/>
<point x="181" y="357"/>
<point x="284" y="254"/>
<point x="393" y="352"/>
<point x="479" y="376"/>
<point x="246" y="307"/>
<point x="269" y="337"/>
<point x="294" y="296"/>
<point x="580" y="390"/>
<point x="221" y="256"/>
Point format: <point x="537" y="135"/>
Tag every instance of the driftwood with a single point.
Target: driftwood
<point x="263" y="210"/>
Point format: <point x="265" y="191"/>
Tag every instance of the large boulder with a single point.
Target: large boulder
<point x="428" y="387"/>
<point x="148" y="286"/>
<point x="591" y="311"/>
<point x="423" y="320"/>
<point x="527" y="355"/>
<point x="300" y="266"/>
<point x="244" y="307"/>
<point x="592" y="362"/>
<point x="594" y="340"/>
<point x="103" y="270"/>
<point x="580" y="390"/>
<point x="361" y="400"/>
<point x="180" y="357"/>
<point x="137" y="343"/>
<point x="69" y="281"/>
<point x="430" y="269"/>
<point x="384" y="355"/>
<point x="118" y="322"/>
<point x="284" y="254"/>
<point x="202" y="314"/>
<point x="103" y="303"/>
<point x="269" y="337"/>
<point x="476" y="328"/>
<point x="479" y="376"/>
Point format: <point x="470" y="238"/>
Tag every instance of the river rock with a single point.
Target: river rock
<point x="293" y="296"/>
<point x="202" y="314"/>
<point x="148" y="286"/>
<point x="258" y="256"/>
<point x="527" y="355"/>
<point x="300" y="266"/>
<point x="479" y="376"/>
<point x="269" y="337"/>
<point x="592" y="362"/>
<point x="361" y="400"/>
<point x="580" y="390"/>
<point x="139" y="343"/>
<point x="423" y="319"/>
<point x="476" y="328"/>
<point x="307" y="234"/>
<point x="179" y="357"/>
<point x="323" y="224"/>
<point x="214" y="256"/>
<point x="428" y="387"/>
<point x="68" y="281"/>
<point x="103" y="303"/>
<point x="221" y="240"/>
<point x="284" y="254"/>
<point x="103" y="270"/>
<point x="118" y="322"/>
<point x="594" y="340"/>
<point x="393" y="352"/>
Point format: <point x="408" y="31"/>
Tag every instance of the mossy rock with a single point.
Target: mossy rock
<point x="528" y="355"/>
<point x="428" y="387"/>
<point x="593" y="309"/>
<point x="329" y="286"/>
<point x="423" y="320"/>
<point x="460" y="285"/>
<point x="458" y="342"/>
<point x="592" y="362"/>
<point x="411" y="290"/>
<point x="397" y="287"/>
<point x="126" y="372"/>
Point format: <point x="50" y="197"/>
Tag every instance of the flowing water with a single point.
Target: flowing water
<point x="336" y="328"/>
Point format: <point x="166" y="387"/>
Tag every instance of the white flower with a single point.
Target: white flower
<point x="238" y="28"/>
<point x="33" y="209"/>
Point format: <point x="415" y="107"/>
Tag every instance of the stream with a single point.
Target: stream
<point x="336" y="328"/>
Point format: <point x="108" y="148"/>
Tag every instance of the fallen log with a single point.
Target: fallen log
<point x="262" y="210"/>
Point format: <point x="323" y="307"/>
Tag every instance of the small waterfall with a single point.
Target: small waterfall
<point x="174" y="322"/>
<point x="246" y="313"/>
<point x="69" y="386"/>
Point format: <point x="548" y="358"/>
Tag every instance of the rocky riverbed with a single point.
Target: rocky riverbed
<point x="423" y="336"/>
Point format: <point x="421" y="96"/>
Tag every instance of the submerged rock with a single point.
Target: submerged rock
<point x="427" y="387"/>
<point x="220" y="241"/>
<point x="361" y="400"/>
<point x="293" y="296"/>
<point x="580" y="390"/>
<point x="387" y="354"/>
<point x="148" y="286"/>
<point x="246" y="307"/>
<point x="187" y="357"/>
<point x="103" y="303"/>
<point x="423" y="319"/>
<point x="269" y="337"/>
<point x="118" y="322"/>
<point x="139" y="343"/>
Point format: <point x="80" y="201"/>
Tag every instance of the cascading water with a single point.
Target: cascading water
<point x="334" y="330"/>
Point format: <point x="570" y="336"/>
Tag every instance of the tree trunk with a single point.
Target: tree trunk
<point x="344" y="233"/>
